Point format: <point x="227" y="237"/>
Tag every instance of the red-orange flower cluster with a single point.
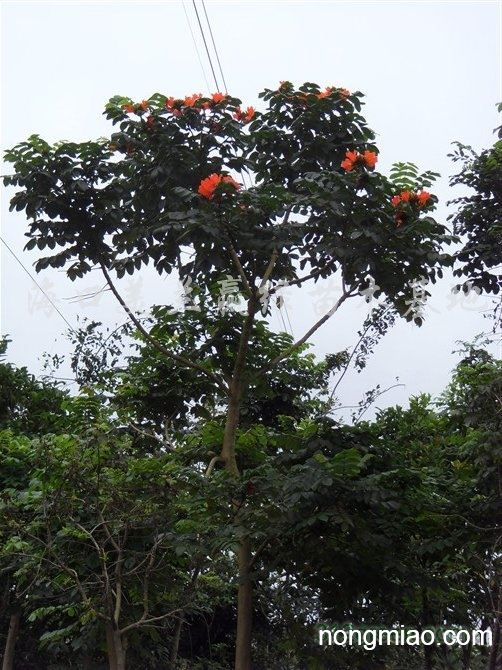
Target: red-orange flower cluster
<point x="172" y="103"/>
<point x="353" y="158"/>
<point x="191" y="100"/>
<point x="421" y="198"/>
<point x="132" y="109"/>
<point x="327" y="91"/>
<point x="208" y="186"/>
<point x="302" y="98"/>
<point x="244" y="115"/>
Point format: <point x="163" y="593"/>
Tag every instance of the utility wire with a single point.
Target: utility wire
<point x="214" y="46"/>
<point x="47" y="297"/>
<point x="195" y="45"/>
<point x="205" y="45"/>
<point x="290" y="330"/>
<point x="288" y="320"/>
<point x="243" y="176"/>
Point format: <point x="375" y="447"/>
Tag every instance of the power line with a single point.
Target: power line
<point x="243" y="176"/>
<point x="214" y="46"/>
<point x="290" y="330"/>
<point x="47" y="297"/>
<point x="205" y="45"/>
<point x="210" y="59"/>
<point x="195" y="44"/>
<point x="282" y="319"/>
<point x="289" y="322"/>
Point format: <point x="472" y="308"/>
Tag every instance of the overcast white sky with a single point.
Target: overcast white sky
<point x="431" y="72"/>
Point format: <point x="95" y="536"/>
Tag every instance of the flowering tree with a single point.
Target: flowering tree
<point x="288" y="195"/>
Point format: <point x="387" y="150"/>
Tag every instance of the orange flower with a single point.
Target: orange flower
<point x="144" y="105"/>
<point x="208" y="186"/>
<point x="350" y="160"/>
<point x="423" y="197"/>
<point x="129" y="109"/>
<point x="324" y="94"/>
<point x="420" y="199"/>
<point x="370" y="158"/>
<point x="190" y="100"/>
<point x="218" y="97"/>
<point x="344" y="93"/>
<point x="170" y="102"/>
<point x="245" y="116"/>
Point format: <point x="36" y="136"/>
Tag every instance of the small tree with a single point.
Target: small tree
<point x="477" y="219"/>
<point x="166" y="183"/>
<point x="109" y="533"/>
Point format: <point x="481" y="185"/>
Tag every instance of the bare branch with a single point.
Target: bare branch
<point x="307" y="335"/>
<point x="240" y="269"/>
<point x="181" y="360"/>
<point x="370" y="325"/>
<point x="212" y="463"/>
<point x="145" y="621"/>
<point x="313" y="275"/>
<point x="164" y="442"/>
<point x="270" y="267"/>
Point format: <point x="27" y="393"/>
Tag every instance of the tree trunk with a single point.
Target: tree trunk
<point x="110" y="646"/>
<point x="10" y="644"/>
<point x="120" y="652"/>
<point x="173" y="656"/>
<point x="245" y="592"/>
<point x="244" y="608"/>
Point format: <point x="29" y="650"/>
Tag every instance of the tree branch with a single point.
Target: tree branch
<point x="181" y="360"/>
<point x="239" y="268"/>
<point x="270" y="267"/>
<point x="144" y="621"/>
<point x="212" y="464"/>
<point x="307" y="335"/>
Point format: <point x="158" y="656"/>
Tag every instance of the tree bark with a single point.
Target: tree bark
<point x="173" y="656"/>
<point x="10" y="644"/>
<point x="120" y="652"/>
<point x="245" y="591"/>
<point x="244" y="608"/>
<point x="110" y="647"/>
